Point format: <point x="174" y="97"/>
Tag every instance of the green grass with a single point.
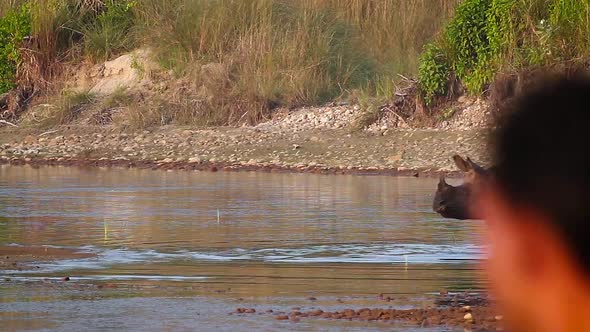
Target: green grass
<point x="71" y="105"/>
<point x="239" y="59"/>
<point x="110" y="33"/>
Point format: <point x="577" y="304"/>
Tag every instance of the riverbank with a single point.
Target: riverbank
<point x="403" y="152"/>
<point x="319" y="140"/>
<point x="471" y="311"/>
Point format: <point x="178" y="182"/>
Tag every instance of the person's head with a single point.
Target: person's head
<point x="537" y="205"/>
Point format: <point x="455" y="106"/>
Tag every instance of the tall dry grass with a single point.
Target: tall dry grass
<point x="392" y="31"/>
<point x="7" y="5"/>
<point x="290" y="53"/>
<point x="264" y="53"/>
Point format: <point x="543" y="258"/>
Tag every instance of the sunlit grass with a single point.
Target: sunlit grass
<point x="245" y="57"/>
<point x="290" y="53"/>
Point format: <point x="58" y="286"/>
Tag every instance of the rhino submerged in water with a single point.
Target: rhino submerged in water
<point x="457" y="202"/>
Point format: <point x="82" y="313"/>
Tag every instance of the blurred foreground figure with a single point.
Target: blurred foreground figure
<point x="537" y="207"/>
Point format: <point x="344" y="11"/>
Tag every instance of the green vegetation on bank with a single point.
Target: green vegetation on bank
<point x="269" y="53"/>
<point x="15" y="25"/>
<point x="490" y="37"/>
<point x="238" y="59"/>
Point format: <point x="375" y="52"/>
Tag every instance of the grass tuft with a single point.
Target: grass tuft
<point x="71" y="105"/>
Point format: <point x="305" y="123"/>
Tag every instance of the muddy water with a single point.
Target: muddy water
<point x="182" y="250"/>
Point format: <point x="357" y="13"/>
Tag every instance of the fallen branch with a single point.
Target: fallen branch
<point x="406" y="79"/>
<point x="48" y="132"/>
<point x="388" y="109"/>
<point x="401" y="119"/>
<point x="8" y="123"/>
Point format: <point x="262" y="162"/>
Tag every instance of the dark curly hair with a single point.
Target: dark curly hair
<point x="541" y="149"/>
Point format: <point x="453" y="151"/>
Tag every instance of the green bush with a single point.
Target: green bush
<point x="488" y="36"/>
<point x="14" y="26"/>
<point x="467" y="50"/>
<point x="433" y="73"/>
<point x="500" y="26"/>
<point x="109" y="33"/>
<point x="467" y="36"/>
<point x="477" y="36"/>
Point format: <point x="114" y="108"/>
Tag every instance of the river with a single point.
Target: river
<point x="176" y="251"/>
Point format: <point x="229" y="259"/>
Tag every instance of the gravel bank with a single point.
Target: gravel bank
<point x="396" y="150"/>
<point x="308" y="139"/>
<point x="470" y="311"/>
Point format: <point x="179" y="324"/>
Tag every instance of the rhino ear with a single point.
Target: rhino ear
<point x="441" y="182"/>
<point x="461" y="163"/>
<point x="478" y="169"/>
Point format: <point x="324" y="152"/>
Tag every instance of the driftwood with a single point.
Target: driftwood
<point x="48" y="132"/>
<point x="8" y="123"/>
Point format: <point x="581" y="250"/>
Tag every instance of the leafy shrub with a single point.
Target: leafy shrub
<point x="500" y="26"/>
<point x="467" y="36"/>
<point x="433" y="73"/>
<point x="489" y="36"/>
<point x="479" y="34"/>
<point x="14" y="27"/>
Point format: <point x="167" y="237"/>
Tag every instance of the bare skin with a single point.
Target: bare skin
<point x="540" y="289"/>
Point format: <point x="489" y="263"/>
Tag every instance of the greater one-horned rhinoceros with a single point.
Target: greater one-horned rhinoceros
<point x="457" y="201"/>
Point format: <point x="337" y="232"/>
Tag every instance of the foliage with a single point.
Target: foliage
<point x="570" y="20"/>
<point x="110" y="32"/>
<point x="468" y="41"/>
<point x="486" y="37"/>
<point x="433" y="73"/>
<point x="15" y="25"/>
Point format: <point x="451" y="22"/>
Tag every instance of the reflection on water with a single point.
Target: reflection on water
<point x="277" y="235"/>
